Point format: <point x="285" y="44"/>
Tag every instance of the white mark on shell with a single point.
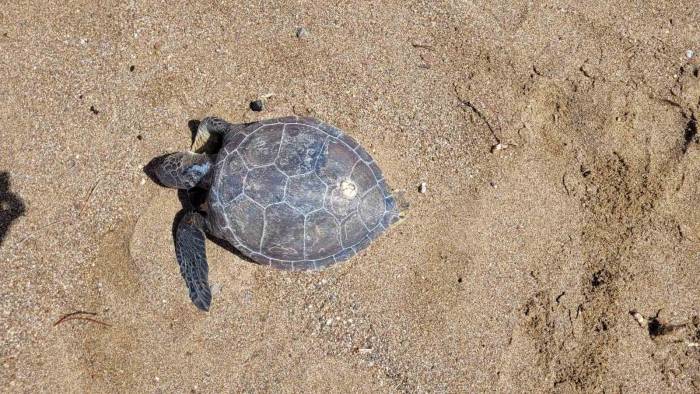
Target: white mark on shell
<point x="348" y="188"/>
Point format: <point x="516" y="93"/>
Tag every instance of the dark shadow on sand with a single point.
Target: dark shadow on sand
<point x="11" y="206"/>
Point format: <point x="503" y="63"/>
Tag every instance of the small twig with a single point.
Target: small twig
<point x="563" y="293"/>
<point x="66" y="316"/>
<point x="563" y="182"/>
<point x="90" y="320"/>
<point x="667" y="102"/>
<point x="483" y="118"/>
<point x="86" y="200"/>
<point x="478" y="113"/>
<point x="30" y="235"/>
<point x="422" y="46"/>
<point x="74" y="316"/>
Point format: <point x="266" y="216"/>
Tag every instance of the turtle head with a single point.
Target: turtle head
<point x="181" y="170"/>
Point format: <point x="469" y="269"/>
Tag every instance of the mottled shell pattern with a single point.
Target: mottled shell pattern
<point x="297" y="194"/>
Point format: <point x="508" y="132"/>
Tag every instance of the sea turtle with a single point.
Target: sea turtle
<point x="292" y="193"/>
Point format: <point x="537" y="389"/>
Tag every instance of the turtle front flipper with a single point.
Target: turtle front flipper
<point x="209" y="134"/>
<point x="192" y="257"/>
<point x="212" y="132"/>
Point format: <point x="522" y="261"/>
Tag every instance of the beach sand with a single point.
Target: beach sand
<point x="555" y="248"/>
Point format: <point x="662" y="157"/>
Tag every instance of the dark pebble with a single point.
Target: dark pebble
<point x="256" y="105"/>
<point x="132" y="68"/>
<point x="139" y="137"/>
<point x="94" y="110"/>
<point x="302" y="33"/>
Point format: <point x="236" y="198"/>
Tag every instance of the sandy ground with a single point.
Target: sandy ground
<point x="520" y="268"/>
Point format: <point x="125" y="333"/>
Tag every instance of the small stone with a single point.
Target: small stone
<point x="423" y="188"/>
<point x="639" y="318"/>
<point x="302" y="32"/>
<point x="257" y="105"/>
<point x="142" y="182"/>
<point x="689" y="53"/>
<point x="215" y="289"/>
<point x="329" y="322"/>
<point x="499" y="146"/>
<point x="247" y="296"/>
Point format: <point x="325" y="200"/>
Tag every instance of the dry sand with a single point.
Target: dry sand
<point x="516" y="271"/>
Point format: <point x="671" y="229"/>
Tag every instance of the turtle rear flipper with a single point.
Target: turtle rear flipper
<point x="192" y="257"/>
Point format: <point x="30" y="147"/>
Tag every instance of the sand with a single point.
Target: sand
<point x="555" y="249"/>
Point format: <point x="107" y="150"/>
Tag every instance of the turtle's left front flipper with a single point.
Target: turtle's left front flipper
<point x="192" y="257"/>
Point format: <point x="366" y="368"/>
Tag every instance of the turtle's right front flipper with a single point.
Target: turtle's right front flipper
<point x="192" y="257"/>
